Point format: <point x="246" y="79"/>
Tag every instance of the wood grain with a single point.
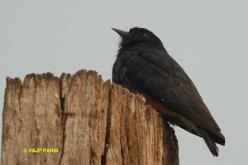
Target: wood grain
<point x="88" y="120"/>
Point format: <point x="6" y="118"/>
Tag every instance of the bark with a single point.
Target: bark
<point x="87" y="120"/>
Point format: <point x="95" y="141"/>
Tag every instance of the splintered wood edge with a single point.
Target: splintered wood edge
<point x="65" y="82"/>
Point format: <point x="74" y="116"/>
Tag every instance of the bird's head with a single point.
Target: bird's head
<point x="137" y="36"/>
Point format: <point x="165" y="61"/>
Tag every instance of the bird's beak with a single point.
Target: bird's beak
<point x="121" y="32"/>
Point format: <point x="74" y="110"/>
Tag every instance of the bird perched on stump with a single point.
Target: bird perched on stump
<point x="144" y="66"/>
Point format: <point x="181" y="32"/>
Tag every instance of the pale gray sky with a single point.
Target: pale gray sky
<point x="208" y="39"/>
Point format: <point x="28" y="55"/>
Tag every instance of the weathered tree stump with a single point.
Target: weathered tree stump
<point x="80" y="119"/>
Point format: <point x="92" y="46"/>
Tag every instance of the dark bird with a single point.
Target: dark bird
<point x="144" y="66"/>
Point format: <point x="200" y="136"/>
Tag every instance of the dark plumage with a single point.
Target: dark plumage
<point x="144" y="66"/>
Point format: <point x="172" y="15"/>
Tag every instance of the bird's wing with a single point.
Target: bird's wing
<point x="161" y="78"/>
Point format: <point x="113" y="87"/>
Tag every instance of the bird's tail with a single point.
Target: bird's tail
<point x="174" y="118"/>
<point x="210" y="143"/>
<point x="191" y="127"/>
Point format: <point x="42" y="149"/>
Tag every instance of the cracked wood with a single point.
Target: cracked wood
<point x="90" y="122"/>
